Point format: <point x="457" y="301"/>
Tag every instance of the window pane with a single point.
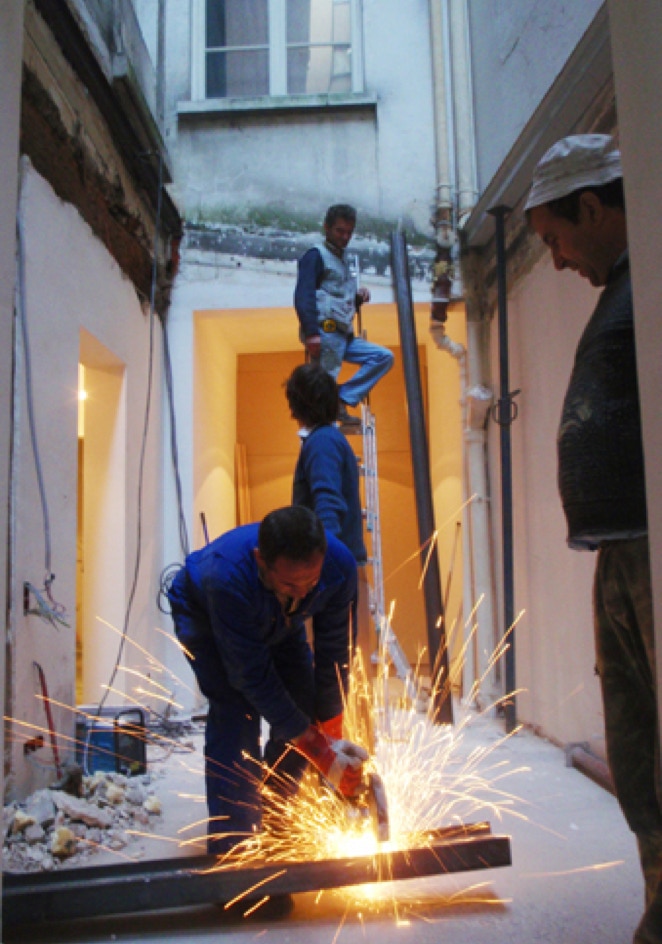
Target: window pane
<point x="238" y="74"/>
<point x="318" y="21"/>
<point x="319" y="46"/>
<point x="237" y="23"/>
<point x="319" y="70"/>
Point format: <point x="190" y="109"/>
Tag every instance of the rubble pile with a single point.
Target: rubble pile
<point x="54" y="827"/>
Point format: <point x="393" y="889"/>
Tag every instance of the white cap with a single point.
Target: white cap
<point x="574" y="163"/>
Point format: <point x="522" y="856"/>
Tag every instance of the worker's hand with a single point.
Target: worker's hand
<point x="341" y="762"/>
<point x="314" y="347"/>
<point x="332" y="727"/>
<point x="362" y="296"/>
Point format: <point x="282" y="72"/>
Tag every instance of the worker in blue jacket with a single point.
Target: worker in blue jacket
<point x="326" y="477"/>
<point x="239" y="606"/>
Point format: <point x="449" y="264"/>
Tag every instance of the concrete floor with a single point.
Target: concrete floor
<point x="574" y="880"/>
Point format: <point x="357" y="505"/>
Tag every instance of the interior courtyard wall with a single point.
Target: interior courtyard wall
<point x="554" y="651"/>
<point x="518" y="49"/>
<point x="91" y="294"/>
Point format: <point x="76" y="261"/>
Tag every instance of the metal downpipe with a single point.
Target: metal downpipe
<point x="505" y="414"/>
<point x="434" y="608"/>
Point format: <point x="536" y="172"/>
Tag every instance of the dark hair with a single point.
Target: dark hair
<point x="567" y="207"/>
<point x="340" y="211"/>
<point x="295" y="533"/>
<point x="312" y="394"/>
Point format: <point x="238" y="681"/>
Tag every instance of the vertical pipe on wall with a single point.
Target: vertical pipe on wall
<point x="463" y="110"/>
<point x="434" y="608"/>
<point x="505" y="415"/>
<point x="456" y="192"/>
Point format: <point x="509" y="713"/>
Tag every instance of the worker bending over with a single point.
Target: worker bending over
<point x="239" y="606"/>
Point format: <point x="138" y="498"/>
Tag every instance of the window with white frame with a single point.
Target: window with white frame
<point x="253" y="48"/>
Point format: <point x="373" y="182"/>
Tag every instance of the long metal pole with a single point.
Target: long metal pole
<point x="434" y="607"/>
<point x="505" y="414"/>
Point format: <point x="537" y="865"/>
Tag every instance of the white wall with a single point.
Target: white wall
<point x="11" y="47"/>
<point x="518" y="49"/>
<point x="74" y="285"/>
<point x="547" y="312"/>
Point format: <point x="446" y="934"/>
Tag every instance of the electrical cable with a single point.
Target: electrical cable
<point x="183" y="533"/>
<point x="143" y="447"/>
<point x="52" y="612"/>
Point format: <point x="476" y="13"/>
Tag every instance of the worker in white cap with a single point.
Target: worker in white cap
<point x="576" y="206"/>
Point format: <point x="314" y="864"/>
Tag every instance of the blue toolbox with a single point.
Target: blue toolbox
<point x="112" y="740"/>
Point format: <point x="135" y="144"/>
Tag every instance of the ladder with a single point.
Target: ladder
<point x="386" y="637"/>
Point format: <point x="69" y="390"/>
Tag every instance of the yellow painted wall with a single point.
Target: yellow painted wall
<point x="215" y="430"/>
<point x="268" y="432"/>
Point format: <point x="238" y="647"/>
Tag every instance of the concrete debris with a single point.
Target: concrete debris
<point x="52" y="828"/>
<point x="63" y="842"/>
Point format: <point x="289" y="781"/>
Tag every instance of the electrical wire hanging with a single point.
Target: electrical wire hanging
<point x="143" y="446"/>
<point x="47" y="608"/>
<point x="183" y="533"/>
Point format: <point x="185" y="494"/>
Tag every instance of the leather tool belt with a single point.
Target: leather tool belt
<point x="330" y="326"/>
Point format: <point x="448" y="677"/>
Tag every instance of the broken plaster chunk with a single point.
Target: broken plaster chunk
<point x="153" y="805"/>
<point x="21" y="821"/>
<point x="41" y="807"/>
<point x="114" y="794"/>
<point x="34" y="833"/>
<point x="136" y="794"/>
<point x="117" y="840"/>
<point x="63" y="842"/>
<point x="81" y="810"/>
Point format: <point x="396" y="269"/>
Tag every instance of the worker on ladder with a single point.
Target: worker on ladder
<point x="326" y="298"/>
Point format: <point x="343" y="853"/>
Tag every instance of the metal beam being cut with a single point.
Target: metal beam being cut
<point x="170" y="883"/>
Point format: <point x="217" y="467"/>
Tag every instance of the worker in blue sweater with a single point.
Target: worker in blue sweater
<point x="326" y="477"/>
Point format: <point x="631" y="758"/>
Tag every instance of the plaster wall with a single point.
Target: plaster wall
<point x="638" y="73"/>
<point x="290" y="166"/>
<point x="79" y="306"/>
<point x="518" y="49"/>
<point x="547" y="312"/>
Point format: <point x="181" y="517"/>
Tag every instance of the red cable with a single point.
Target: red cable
<point x="49" y="717"/>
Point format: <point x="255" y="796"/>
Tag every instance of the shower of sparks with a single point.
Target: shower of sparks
<point x="432" y="783"/>
<point x="432" y="779"/>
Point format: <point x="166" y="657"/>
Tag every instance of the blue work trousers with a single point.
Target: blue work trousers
<point x="233" y="758"/>
<point x="375" y="361"/>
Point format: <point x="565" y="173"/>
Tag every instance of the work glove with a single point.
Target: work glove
<point x="341" y="762"/>
<point x="332" y="727"/>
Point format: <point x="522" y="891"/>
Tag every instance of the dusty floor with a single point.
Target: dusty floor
<point x="574" y="879"/>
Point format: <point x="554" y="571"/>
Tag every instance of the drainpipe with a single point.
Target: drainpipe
<point x="456" y="193"/>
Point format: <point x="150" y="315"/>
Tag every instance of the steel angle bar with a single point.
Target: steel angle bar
<point x="96" y="891"/>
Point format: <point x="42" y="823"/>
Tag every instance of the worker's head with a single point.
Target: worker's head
<point x="576" y="205"/>
<point x="290" y="552"/>
<point x="339" y="224"/>
<point x="312" y="394"/>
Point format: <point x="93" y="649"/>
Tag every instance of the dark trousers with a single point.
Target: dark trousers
<point x="625" y="652"/>
<point x="233" y="758"/>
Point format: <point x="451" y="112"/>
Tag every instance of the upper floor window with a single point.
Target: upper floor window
<point x="251" y="48"/>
